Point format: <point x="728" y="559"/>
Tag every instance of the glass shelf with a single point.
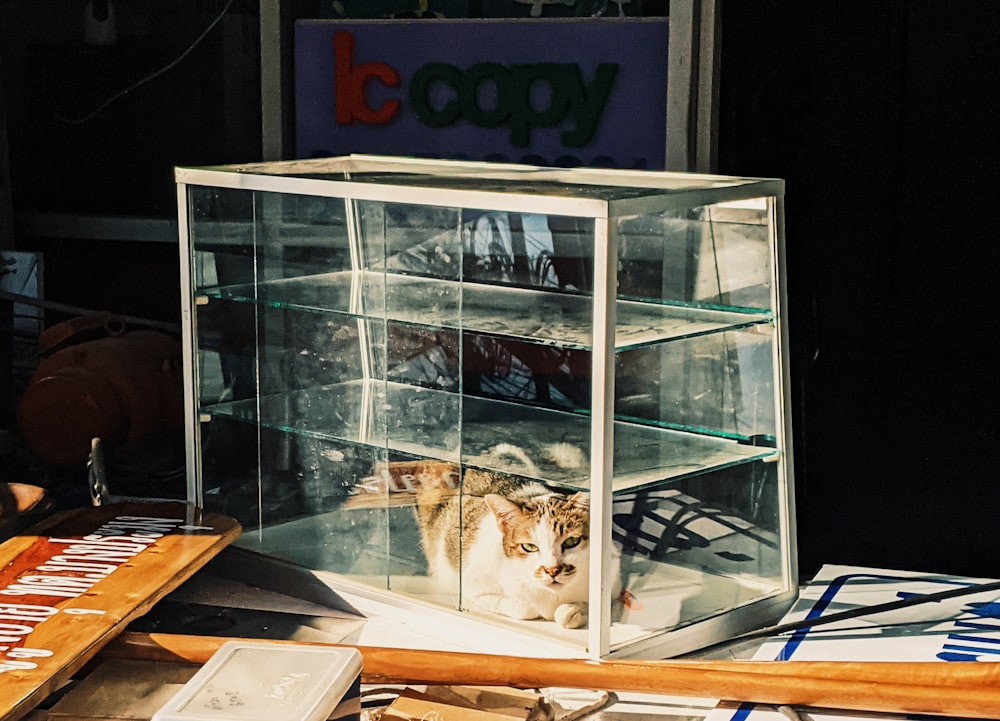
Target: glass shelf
<point x="555" y="318"/>
<point x="425" y="423"/>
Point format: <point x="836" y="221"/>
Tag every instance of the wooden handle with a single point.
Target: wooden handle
<point x="971" y="690"/>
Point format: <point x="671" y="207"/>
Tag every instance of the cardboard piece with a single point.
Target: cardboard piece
<point x="960" y="629"/>
<point x="468" y="703"/>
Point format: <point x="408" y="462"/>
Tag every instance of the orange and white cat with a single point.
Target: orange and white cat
<point x="515" y="548"/>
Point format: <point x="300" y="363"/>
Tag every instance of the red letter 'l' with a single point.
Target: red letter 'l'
<point x="349" y="84"/>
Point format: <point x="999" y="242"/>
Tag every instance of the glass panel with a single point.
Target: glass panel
<point x="715" y="256"/>
<point x="719" y="384"/>
<point x="222" y="235"/>
<point x="696" y="549"/>
<point x="704" y="540"/>
<point x="375" y="376"/>
<point x="267" y="362"/>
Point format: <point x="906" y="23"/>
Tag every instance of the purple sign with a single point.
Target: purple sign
<point x="588" y="92"/>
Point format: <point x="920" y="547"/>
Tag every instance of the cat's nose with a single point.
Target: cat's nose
<point x="551" y="570"/>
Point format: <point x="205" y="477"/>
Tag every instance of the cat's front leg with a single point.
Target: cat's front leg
<point x="505" y="606"/>
<point x="571" y="615"/>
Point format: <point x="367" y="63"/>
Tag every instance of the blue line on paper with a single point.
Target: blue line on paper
<point x="829" y="595"/>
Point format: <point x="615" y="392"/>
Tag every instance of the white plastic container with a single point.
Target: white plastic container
<point x="260" y="681"/>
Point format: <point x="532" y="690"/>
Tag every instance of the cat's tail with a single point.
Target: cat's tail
<point x="508" y="458"/>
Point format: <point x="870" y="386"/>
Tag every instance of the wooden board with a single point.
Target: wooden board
<point x="71" y="583"/>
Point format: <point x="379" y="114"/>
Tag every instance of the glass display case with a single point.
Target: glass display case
<point x="553" y="400"/>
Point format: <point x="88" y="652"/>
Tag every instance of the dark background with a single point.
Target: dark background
<point x="881" y="116"/>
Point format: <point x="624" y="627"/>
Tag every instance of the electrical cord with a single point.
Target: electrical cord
<point x="152" y="76"/>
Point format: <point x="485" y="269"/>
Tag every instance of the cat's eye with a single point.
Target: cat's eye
<point x="529" y="548"/>
<point x="572" y="542"/>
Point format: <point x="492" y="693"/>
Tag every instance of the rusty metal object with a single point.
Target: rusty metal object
<point x="121" y="386"/>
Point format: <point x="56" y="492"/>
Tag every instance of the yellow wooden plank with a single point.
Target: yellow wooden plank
<point x="71" y="583"/>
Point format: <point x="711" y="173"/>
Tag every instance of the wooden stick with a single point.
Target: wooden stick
<point x="969" y="690"/>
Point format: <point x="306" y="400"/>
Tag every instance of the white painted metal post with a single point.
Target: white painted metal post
<point x="602" y="444"/>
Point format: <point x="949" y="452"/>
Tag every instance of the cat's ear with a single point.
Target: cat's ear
<point x="580" y="499"/>
<point x="503" y="509"/>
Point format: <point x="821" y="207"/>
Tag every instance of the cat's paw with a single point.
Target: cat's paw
<point x="571" y="615"/>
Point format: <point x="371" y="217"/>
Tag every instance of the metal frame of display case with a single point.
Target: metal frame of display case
<point x="602" y="332"/>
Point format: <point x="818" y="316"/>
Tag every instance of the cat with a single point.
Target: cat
<point x="523" y="549"/>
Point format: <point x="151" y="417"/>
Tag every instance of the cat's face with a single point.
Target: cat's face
<point x="546" y="539"/>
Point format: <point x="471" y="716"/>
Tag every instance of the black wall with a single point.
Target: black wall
<point x="882" y="117"/>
